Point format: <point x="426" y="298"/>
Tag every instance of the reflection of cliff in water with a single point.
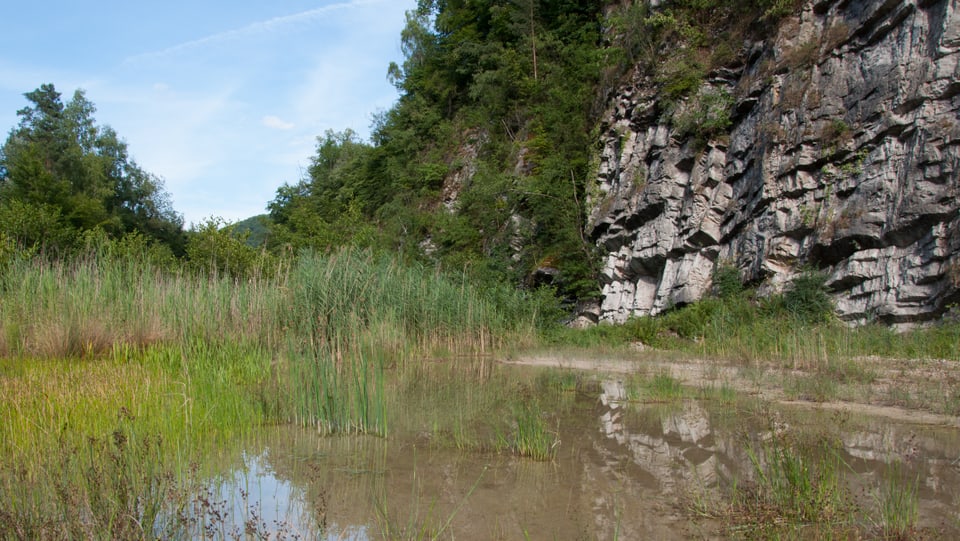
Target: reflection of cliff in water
<point x="623" y="470"/>
<point x="683" y="447"/>
<point x="675" y="446"/>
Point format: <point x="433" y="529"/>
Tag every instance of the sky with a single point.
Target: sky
<point x="224" y="101"/>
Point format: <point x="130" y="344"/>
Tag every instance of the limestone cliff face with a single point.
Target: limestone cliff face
<point x="842" y="153"/>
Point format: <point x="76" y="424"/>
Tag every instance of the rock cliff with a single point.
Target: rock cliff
<point x="842" y="153"/>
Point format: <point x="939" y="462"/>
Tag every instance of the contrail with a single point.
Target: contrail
<point x="259" y="27"/>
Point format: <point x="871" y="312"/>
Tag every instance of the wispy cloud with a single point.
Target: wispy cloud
<point x="276" y="123"/>
<point x="259" y="27"/>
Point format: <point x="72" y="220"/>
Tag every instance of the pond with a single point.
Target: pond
<point x="622" y="470"/>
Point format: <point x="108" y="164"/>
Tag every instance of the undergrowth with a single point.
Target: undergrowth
<point x="795" y="329"/>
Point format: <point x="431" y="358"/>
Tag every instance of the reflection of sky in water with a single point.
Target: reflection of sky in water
<point x="278" y="508"/>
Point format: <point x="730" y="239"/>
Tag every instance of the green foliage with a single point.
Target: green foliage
<point x="795" y="485"/>
<point x="353" y="313"/>
<point x="61" y="174"/>
<point x="682" y="40"/>
<point x="107" y="487"/>
<point x="135" y="246"/>
<point x="214" y="248"/>
<point x="485" y="85"/>
<point x="837" y="131"/>
<point x="254" y="230"/>
<point x="777" y="9"/>
<point x="726" y="281"/>
<point x="897" y="500"/>
<point x="807" y="298"/>
<point x="705" y="115"/>
<point x="681" y="77"/>
<point x="336" y="295"/>
<point x="815" y="388"/>
<point x="532" y="437"/>
<point x="34" y="225"/>
<point x="662" y="387"/>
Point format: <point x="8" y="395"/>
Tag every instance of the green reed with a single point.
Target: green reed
<point x="84" y="307"/>
<point x="355" y="288"/>
<point x="354" y="313"/>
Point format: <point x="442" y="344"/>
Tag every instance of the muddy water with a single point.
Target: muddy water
<point x="623" y="470"/>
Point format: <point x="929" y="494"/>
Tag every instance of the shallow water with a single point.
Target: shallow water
<point x="623" y="470"/>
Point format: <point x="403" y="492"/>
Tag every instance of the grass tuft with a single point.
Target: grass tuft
<point x="897" y="504"/>
<point x="796" y="492"/>
<point x="532" y="437"/>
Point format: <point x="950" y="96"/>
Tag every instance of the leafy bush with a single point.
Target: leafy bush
<point x="807" y="299"/>
<point x="30" y="225"/>
<point x="214" y="248"/>
<point x="705" y="115"/>
<point x="726" y="281"/>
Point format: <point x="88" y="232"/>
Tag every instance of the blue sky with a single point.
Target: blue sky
<point x="222" y="100"/>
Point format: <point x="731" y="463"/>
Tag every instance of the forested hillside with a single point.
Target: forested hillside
<point x="483" y="160"/>
<point x="487" y="158"/>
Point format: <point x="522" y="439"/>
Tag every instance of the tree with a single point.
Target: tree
<point x="58" y="162"/>
<point x="338" y="196"/>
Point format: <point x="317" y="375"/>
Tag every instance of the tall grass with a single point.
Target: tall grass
<point x="354" y="314"/>
<point x="85" y="307"/>
<point x="532" y="435"/>
<point x="354" y="290"/>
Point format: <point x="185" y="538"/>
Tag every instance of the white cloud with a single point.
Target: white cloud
<point x="277" y="123"/>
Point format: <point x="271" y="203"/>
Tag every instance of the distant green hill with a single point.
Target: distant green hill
<point x="257" y="226"/>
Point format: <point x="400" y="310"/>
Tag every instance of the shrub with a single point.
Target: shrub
<point x="807" y="299"/>
<point x="726" y="281"/>
<point x="705" y="115"/>
<point x="214" y="248"/>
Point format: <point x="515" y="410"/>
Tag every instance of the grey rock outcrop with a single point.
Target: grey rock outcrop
<point x="842" y="153"/>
